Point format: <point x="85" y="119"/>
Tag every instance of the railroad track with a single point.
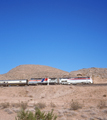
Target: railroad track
<point x="101" y="84"/>
<point x="82" y="85"/>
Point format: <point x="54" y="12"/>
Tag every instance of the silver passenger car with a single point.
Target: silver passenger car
<point x="13" y="82"/>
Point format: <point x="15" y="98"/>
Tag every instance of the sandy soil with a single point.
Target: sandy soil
<point x="91" y="99"/>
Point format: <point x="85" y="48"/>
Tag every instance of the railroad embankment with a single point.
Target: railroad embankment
<point x="68" y="101"/>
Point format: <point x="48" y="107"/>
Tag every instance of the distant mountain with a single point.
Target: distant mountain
<point x="34" y="71"/>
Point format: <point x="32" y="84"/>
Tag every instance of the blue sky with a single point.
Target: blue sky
<point x="64" y="34"/>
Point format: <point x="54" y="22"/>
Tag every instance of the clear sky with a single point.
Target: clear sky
<point x="64" y="34"/>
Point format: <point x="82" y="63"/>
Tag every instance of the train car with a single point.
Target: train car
<point x="49" y="81"/>
<point x="76" y="80"/>
<point x="52" y="80"/>
<point x="13" y="82"/>
<point x="34" y="81"/>
<point x="63" y="81"/>
<point x="37" y="81"/>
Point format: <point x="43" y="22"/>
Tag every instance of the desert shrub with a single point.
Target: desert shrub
<point x="15" y="105"/>
<point x="5" y="105"/>
<point x="30" y="96"/>
<point x="74" y="105"/>
<point x="23" y="105"/>
<point x="104" y="95"/>
<point x="38" y="115"/>
<point x="102" y="104"/>
<point x="52" y="104"/>
<point x="40" y="105"/>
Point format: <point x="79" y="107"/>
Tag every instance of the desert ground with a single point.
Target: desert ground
<point x="70" y="102"/>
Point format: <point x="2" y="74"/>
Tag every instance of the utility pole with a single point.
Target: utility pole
<point x="48" y="80"/>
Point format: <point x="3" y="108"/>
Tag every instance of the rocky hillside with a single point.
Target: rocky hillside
<point x="99" y="75"/>
<point x="2" y="77"/>
<point x="33" y="71"/>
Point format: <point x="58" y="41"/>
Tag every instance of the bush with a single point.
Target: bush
<point x="75" y="105"/>
<point x="102" y="104"/>
<point x="52" y="104"/>
<point x="5" y="105"/>
<point x="38" y="115"/>
<point x="15" y="105"/>
<point x="40" y="105"/>
<point x="22" y="105"/>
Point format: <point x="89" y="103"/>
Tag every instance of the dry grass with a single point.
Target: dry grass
<point x="102" y="104"/>
<point x="74" y="105"/>
<point x="22" y="105"/>
<point x="16" y="105"/>
<point x="52" y="104"/>
<point x="4" y="105"/>
<point x="40" y="105"/>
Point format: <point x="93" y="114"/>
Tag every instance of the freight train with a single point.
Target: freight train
<point x="40" y="81"/>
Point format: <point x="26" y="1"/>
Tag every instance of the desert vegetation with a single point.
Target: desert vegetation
<point x="102" y="104"/>
<point x="74" y="105"/>
<point x="22" y="105"/>
<point x="4" y="105"/>
<point x="52" y="104"/>
<point x="38" y="115"/>
<point x="40" y="105"/>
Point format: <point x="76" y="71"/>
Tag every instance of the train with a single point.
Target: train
<point x="47" y="81"/>
<point x="76" y="80"/>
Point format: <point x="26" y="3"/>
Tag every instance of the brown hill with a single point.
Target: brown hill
<point x="99" y="75"/>
<point x="34" y="71"/>
<point x="2" y="77"/>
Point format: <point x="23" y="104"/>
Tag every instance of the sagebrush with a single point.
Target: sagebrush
<point x="40" y="105"/>
<point x="74" y="105"/>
